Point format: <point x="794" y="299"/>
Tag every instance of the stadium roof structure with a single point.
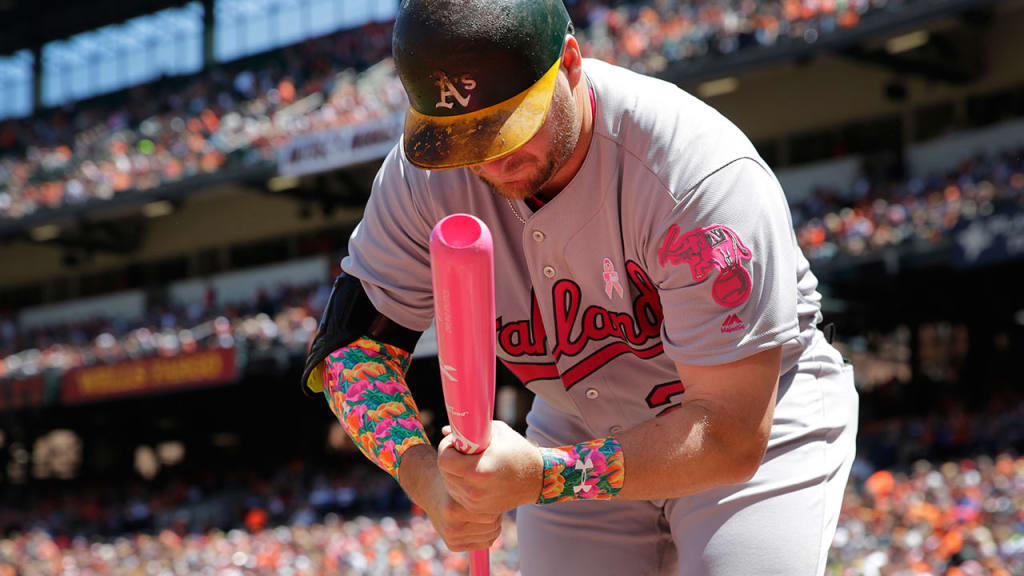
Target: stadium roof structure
<point x="32" y="23"/>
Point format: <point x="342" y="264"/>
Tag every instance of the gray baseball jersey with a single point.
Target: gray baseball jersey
<point x="673" y="243"/>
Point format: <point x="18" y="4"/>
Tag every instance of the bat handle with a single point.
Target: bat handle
<point x="480" y="563"/>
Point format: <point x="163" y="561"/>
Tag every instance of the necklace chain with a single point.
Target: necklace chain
<point x="514" y="211"/>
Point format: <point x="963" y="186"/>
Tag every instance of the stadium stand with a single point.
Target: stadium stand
<point x="919" y="211"/>
<point x="648" y="37"/>
<point x="955" y="517"/>
<point x="229" y="115"/>
<point x="200" y="465"/>
<point x="158" y="133"/>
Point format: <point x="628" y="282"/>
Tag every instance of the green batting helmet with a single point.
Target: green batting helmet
<point x="480" y="75"/>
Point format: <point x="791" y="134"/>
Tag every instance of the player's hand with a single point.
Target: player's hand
<point x="461" y="529"/>
<point x="509" y="473"/>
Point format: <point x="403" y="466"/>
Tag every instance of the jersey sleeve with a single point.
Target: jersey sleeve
<point x="389" y="251"/>
<point x="725" y="266"/>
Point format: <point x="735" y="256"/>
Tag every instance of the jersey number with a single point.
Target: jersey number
<point x="662" y="394"/>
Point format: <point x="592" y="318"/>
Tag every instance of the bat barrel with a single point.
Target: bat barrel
<point x="462" y="267"/>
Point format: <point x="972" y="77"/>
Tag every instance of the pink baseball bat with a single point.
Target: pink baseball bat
<point x="462" y="267"/>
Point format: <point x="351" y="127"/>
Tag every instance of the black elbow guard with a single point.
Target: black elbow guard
<point x="348" y="316"/>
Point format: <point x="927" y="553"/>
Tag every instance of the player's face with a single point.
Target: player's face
<point x="524" y="172"/>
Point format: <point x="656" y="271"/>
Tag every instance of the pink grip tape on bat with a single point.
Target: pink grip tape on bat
<point x="462" y="267"/>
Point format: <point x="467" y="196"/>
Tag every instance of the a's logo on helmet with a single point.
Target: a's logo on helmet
<point x="449" y="89"/>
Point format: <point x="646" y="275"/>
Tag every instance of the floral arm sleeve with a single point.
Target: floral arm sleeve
<point x="591" y="470"/>
<point x="366" y="390"/>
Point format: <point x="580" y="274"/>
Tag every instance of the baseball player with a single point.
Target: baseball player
<point x="689" y="416"/>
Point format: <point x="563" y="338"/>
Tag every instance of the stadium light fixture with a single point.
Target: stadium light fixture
<point x="906" y="42"/>
<point x="282" y="183"/>
<point x="718" y="87"/>
<point x="44" y="233"/>
<point x="157" y="209"/>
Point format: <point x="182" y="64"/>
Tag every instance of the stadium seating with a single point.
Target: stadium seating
<point x="238" y="114"/>
<point x="950" y="517"/>
<point x="937" y="488"/>
<point x="919" y="211"/>
<point x="227" y="116"/>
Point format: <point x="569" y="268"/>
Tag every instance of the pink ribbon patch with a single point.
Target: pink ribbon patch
<point x="611" y="279"/>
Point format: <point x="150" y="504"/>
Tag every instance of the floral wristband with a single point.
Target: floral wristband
<point x="366" y="390"/>
<point x="590" y="470"/>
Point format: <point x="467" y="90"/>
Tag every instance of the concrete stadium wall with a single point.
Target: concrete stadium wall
<point x="801" y="181"/>
<point x="219" y="218"/>
<point x="230" y="287"/>
<point x="244" y="285"/>
<point x="128" y="306"/>
<point x="935" y="155"/>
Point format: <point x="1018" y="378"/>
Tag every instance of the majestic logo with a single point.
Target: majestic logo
<point x="576" y="328"/>
<point x="706" y="249"/>
<point x="611" y="279"/>
<point x="732" y="323"/>
<point x="449" y="89"/>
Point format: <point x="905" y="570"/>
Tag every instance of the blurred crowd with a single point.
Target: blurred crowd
<point x="239" y="113"/>
<point x="918" y="211"/>
<point x="282" y="316"/>
<point x="360" y="546"/>
<point x="963" y="518"/>
<point x="195" y="497"/>
<point x="229" y="115"/>
<point x="290" y="521"/>
<point x="650" y="36"/>
<point x="956" y="518"/>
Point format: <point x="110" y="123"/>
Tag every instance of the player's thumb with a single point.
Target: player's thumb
<point x="451" y="462"/>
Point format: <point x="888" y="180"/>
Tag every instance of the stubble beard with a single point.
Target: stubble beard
<point x="565" y="130"/>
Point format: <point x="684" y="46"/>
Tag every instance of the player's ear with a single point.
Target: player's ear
<point x="572" y="60"/>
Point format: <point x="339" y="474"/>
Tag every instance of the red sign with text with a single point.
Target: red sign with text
<point x="149" y="376"/>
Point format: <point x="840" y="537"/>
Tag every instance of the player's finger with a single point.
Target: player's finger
<point x="460" y="513"/>
<point x="469" y="530"/>
<point x="485" y="541"/>
<point x="480" y="542"/>
<point x="447" y="457"/>
<point x="452" y="462"/>
<point x="446" y="430"/>
<point x="445" y="444"/>
<point x="465" y="546"/>
<point x="483" y="544"/>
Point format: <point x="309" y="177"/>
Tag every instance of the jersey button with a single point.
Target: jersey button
<point x="549" y="271"/>
<point x="592" y="393"/>
<point x="615" y="429"/>
<point x="538" y="235"/>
